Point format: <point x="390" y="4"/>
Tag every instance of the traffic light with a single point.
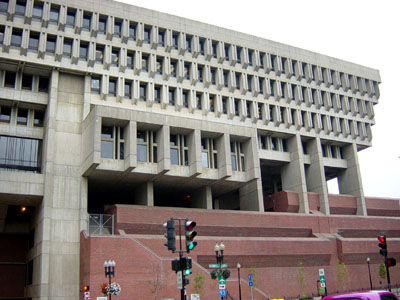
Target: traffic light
<point x="382" y="245"/>
<point x="190" y="234"/>
<point x="187" y="266"/>
<point x="86" y="288"/>
<point x="170" y="235"/>
<point x="176" y="265"/>
<point x="390" y="262"/>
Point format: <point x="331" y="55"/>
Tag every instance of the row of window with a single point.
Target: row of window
<point x="112" y="146"/>
<point x="21" y="116"/>
<point x="189" y="43"/>
<point x="24" y="81"/>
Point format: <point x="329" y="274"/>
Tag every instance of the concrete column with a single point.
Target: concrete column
<point x="144" y="195"/>
<point x="251" y="197"/>
<point x="224" y="156"/>
<point x="350" y="181"/>
<point x="194" y="144"/>
<point x="293" y="174"/>
<point x="250" y="149"/>
<point x="86" y="97"/>
<point x="202" y="198"/>
<point x="130" y="158"/>
<point x="163" y="151"/>
<point x="315" y="175"/>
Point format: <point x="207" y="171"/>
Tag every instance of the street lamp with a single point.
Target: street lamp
<point x="240" y="290"/>
<point x="109" y="268"/>
<point x="219" y="253"/>
<point x="369" y="273"/>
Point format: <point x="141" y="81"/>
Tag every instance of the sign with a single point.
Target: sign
<point x="221" y="287"/>
<point x="250" y="277"/>
<point x="250" y="283"/>
<point x="224" y="265"/>
<point x="221" y="280"/>
<point x="321" y="272"/>
<point x="321" y="282"/>
<point x="194" y="297"/>
<point x="86" y="296"/>
<point x="213" y="266"/>
<point x="222" y="293"/>
<point x="179" y="280"/>
<point x="101" y="298"/>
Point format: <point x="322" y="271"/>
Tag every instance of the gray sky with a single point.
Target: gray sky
<point x="365" y="32"/>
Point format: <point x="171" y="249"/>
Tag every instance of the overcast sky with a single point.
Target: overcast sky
<point x="361" y="31"/>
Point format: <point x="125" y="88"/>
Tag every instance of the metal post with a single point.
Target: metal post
<point x="388" y="275"/>
<point x="240" y="290"/>
<point x="369" y="273"/>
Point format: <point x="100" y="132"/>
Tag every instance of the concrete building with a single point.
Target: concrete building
<point x="103" y="103"/>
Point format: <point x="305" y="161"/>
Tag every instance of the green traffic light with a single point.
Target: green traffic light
<point x="188" y="272"/>
<point x="192" y="245"/>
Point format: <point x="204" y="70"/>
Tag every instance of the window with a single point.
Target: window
<point x="214" y="49"/>
<point x="20" y="8"/>
<point x="262" y="142"/>
<point x="86" y="21"/>
<point x="157" y="94"/>
<point x="200" y="70"/>
<point x="226" y="48"/>
<point x="16" y="38"/>
<point x="159" y="63"/>
<point x="171" y="96"/>
<point x="27" y="81"/>
<point x="248" y="109"/>
<point x="174" y="64"/>
<point x="33" y="41"/>
<point x="201" y="46"/>
<point x="129" y="60"/>
<point x="112" y="142"/>
<point x="213" y="75"/>
<point x="5" y="114"/>
<point x="43" y="84"/>
<point x="145" y="66"/>
<point x="259" y="109"/>
<point x="102" y="24"/>
<point x="51" y="44"/>
<point x="3" y="6"/>
<point x="226" y="78"/>
<point x="274" y="143"/>
<point x="209" y="153"/>
<point x="37" y="10"/>
<point x="198" y="101"/>
<point x="132" y="31"/>
<point x="70" y="22"/>
<point x="20" y="154"/>
<point x="117" y="27"/>
<point x="29" y="272"/>
<point x="1" y="35"/>
<point x="224" y="105"/>
<point x="186" y="72"/>
<point x="54" y="14"/>
<point x="161" y="37"/>
<point x="146" y="146"/>
<point x="22" y="116"/>
<point x="83" y="50"/>
<point x="284" y="63"/>
<point x="260" y="84"/>
<point x="238" y="54"/>
<point x="128" y="89"/>
<point x="185" y="98"/>
<point x="9" y="79"/>
<point x="146" y="35"/>
<point x="273" y="59"/>
<point x="114" y="57"/>
<point x="251" y="57"/>
<point x="175" y="40"/>
<point x="179" y="150"/>
<point x="112" y="87"/>
<point x="67" y="48"/>
<point x="212" y="103"/>
<point x="99" y="53"/>
<point x="142" y="92"/>
<point x="95" y="85"/>
<point x="236" y="107"/>
<point x="38" y="117"/>
<point x="237" y="157"/>
<point x="189" y="43"/>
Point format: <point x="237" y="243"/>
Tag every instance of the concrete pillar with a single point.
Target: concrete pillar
<point x="251" y="197"/>
<point x="194" y="145"/>
<point x="130" y="158"/>
<point x="163" y="151"/>
<point x="350" y="181"/>
<point x="293" y="174"/>
<point x="315" y="174"/>
<point x="202" y="198"/>
<point x="144" y="195"/>
<point x="224" y="156"/>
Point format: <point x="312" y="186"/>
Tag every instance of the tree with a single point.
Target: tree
<point x="342" y="275"/>
<point x="198" y="286"/>
<point x="382" y="271"/>
<point x="256" y="278"/>
<point x="301" y="280"/>
<point x="158" y="281"/>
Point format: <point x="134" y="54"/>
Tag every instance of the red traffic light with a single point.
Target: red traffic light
<point x="382" y="239"/>
<point x="86" y="288"/>
<point x="190" y="225"/>
<point x="391" y="262"/>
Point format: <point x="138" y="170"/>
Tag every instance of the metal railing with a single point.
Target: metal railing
<point x="100" y="224"/>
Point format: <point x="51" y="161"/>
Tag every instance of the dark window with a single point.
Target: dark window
<point x="20" y="8"/>
<point x="22" y="116"/>
<point x="226" y="48"/>
<point x="173" y="68"/>
<point x="224" y="105"/>
<point x="20" y="154"/>
<point x="95" y="85"/>
<point x="200" y="73"/>
<point x="54" y="14"/>
<point x="128" y="89"/>
<point x="251" y="57"/>
<point x="129" y="60"/>
<point x="132" y="31"/>
<point x="157" y="94"/>
<point x="51" y="44"/>
<point x="284" y="62"/>
<point x="67" y="48"/>
<point x="71" y="17"/>
<point x="186" y="73"/>
<point x="175" y="40"/>
<point x="9" y="80"/>
<point x="189" y="43"/>
<point x="185" y="99"/>
<point x="248" y="110"/>
<point x="213" y="71"/>
<point x="83" y="51"/>
<point x="198" y="101"/>
<point x="37" y="10"/>
<point x="86" y="21"/>
<point x="38" y="118"/>
<point x="214" y="49"/>
<point x="145" y="63"/>
<point x="201" y="46"/>
<point x="5" y="114"/>
<point x="112" y="88"/>
<point x="114" y="56"/>
<point x="142" y="92"/>
<point x="27" y="81"/>
<point x="146" y="36"/>
<point x="171" y="96"/>
<point x="43" y="84"/>
<point x="29" y="272"/>
<point x="161" y="35"/>
<point x="16" y="38"/>
<point x="31" y="239"/>
<point x="238" y="54"/>
<point x="117" y="27"/>
<point x="34" y="41"/>
<point x="236" y="107"/>
<point x="159" y="63"/>
<point x="3" y="6"/>
<point x="1" y="35"/>
<point x="102" y="24"/>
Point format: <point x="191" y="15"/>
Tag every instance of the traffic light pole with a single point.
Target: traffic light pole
<point x="388" y="275"/>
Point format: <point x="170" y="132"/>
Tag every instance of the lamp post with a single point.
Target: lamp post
<point x="219" y="253"/>
<point x="369" y="273"/>
<point x="109" y="269"/>
<point x="240" y="290"/>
